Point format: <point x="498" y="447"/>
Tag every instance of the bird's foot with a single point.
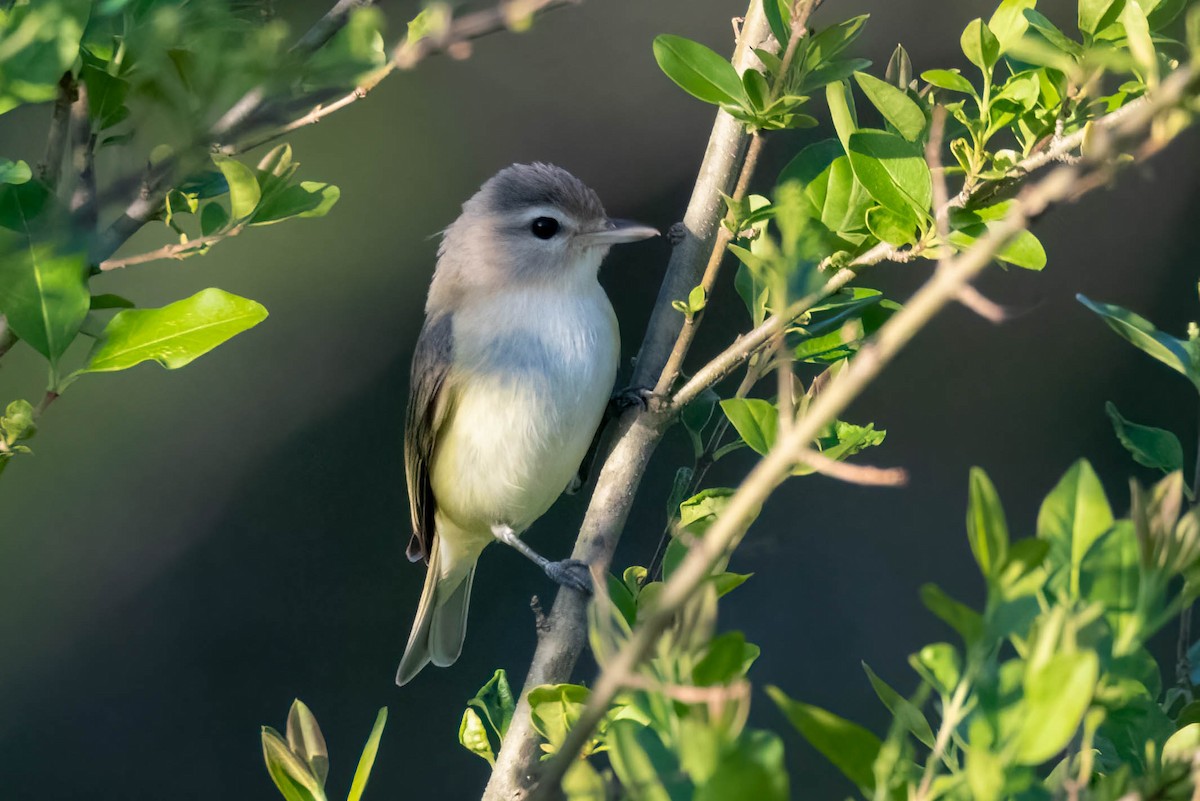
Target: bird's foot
<point x="642" y="398"/>
<point x="676" y="234"/>
<point x="576" y="484"/>
<point x="571" y="573"/>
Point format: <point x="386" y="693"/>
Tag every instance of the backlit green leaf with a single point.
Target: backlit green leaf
<point x="893" y="171"/>
<point x="901" y="708"/>
<point x="894" y="104"/>
<point x="473" y="736"/>
<point x="244" y="192"/>
<point x="987" y="529"/>
<point x="980" y="45"/>
<point x="1142" y="333"/>
<point x="698" y="70"/>
<point x="1057" y="693"/>
<point x="1150" y="447"/>
<point x="14" y="172"/>
<point x="948" y="79"/>
<point x="367" y="760"/>
<point x="755" y="421"/>
<point x="851" y="748"/>
<point x="175" y="334"/>
<point x="1008" y="22"/>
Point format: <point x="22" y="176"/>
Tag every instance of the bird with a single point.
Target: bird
<point x="511" y="375"/>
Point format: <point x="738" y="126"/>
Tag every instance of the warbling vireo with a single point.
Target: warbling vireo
<point x="510" y="378"/>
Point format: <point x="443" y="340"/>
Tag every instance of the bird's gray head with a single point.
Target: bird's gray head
<point x="530" y="224"/>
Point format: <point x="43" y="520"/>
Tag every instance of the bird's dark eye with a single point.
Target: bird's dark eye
<point x="544" y="227"/>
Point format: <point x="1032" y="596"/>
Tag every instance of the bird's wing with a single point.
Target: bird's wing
<point x="429" y="399"/>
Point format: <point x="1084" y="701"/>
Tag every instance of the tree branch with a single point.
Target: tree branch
<point x="1064" y="183"/>
<point x="50" y="168"/>
<point x="177" y="250"/>
<point x="637" y="435"/>
<point x="327" y="27"/>
<point x="83" y="149"/>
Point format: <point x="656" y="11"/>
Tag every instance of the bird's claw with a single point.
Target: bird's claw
<point x="676" y="233"/>
<point x="575" y="484"/>
<point x="571" y="573"/>
<point x="642" y="398"/>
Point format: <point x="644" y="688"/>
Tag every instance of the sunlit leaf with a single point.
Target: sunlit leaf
<point x="698" y="70"/>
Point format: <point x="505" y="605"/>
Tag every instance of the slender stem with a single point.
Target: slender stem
<point x="49" y="169"/>
<point x="176" y="250"/>
<point x="951" y="717"/>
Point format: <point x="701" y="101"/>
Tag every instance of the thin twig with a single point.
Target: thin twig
<point x="864" y="475"/>
<point x="951" y="717"/>
<point x="177" y="250"/>
<point x="942" y="288"/>
<point x="49" y="169"/>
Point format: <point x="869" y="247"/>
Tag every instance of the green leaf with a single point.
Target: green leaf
<point x="1095" y="15"/>
<point x="244" y="192"/>
<point x="891" y="227"/>
<point x="1009" y="24"/>
<point x="305" y="740"/>
<point x="948" y="79"/>
<point x="213" y="218"/>
<point x="723" y="661"/>
<point x="779" y="17"/>
<point x="18" y="422"/>
<point x="1139" y="41"/>
<point x="1150" y="447"/>
<point x="496" y="702"/>
<point x="288" y="771"/>
<point x="894" y="104"/>
<point x="14" y="172"/>
<point x="1142" y="333"/>
<point x="755" y="421"/>
<point x="40" y="42"/>
<point x="987" y="529"/>
<point x="754" y="769"/>
<point x="985" y="773"/>
<point x="1057" y="693"/>
<point x="851" y="748"/>
<point x="841" y="111"/>
<point x="893" y="171"/>
<point x="960" y="617"/>
<point x="698" y="70"/>
<point x="554" y="709"/>
<point x="647" y="770"/>
<point x="1183" y="744"/>
<point x="308" y="199"/>
<point x="43" y="290"/>
<point x="174" y="335"/>
<point x="367" y="761"/>
<point x="473" y="736"/>
<point x="1074" y="515"/>
<point x="899" y="68"/>
<point x="905" y="711"/>
<point x="980" y="46"/>
<point x="582" y="782"/>
<point x="109" y="301"/>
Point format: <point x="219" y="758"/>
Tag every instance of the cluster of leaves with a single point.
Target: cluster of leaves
<point x="298" y="761"/>
<point x="158" y="76"/>
<point x="684" y="734"/>
<point x="1152" y="447"/>
<point x="1052" y="689"/>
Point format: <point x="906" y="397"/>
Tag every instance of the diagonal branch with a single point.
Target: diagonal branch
<point x="49" y="169"/>
<point x="83" y="151"/>
<point x="1064" y="183"/>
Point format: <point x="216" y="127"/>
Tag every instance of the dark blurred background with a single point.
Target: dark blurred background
<point x="189" y="551"/>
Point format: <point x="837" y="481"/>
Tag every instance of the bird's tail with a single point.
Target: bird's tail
<point x="441" y="623"/>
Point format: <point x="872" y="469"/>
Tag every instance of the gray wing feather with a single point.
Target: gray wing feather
<point x="428" y="402"/>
